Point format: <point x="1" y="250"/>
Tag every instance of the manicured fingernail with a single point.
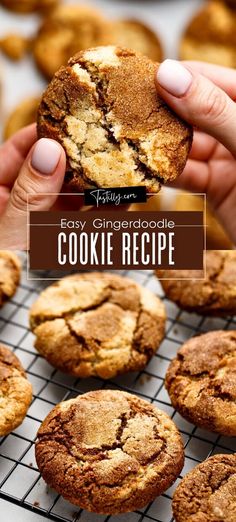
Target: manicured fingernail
<point x="174" y="78"/>
<point x="46" y="156"/>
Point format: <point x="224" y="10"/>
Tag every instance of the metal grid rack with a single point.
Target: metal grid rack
<point x="20" y="481"/>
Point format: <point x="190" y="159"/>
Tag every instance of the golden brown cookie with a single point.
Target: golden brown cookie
<point x="211" y="35"/>
<point x="14" y="46"/>
<point x="215" y="295"/>
<point x="28" y="6"/>
<point x="97" y="324"/>
<point x="215" y="234"/>
<point x="66" y="31"/>
<point x="15" y="392"/>
<point x="104" y="109"/>
<point x="109" y="452"/>
<point x="201" y="381"/>
<point x="135" y="35"/>
<point x="24" y="114"/>
<point x="10" y="269"/>
<point x="208" y="492"/>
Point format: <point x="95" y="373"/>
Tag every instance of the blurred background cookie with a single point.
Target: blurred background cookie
<point x="28" y="6"/>
<point x="67" y="30"/>
<point x="24" y="114"/>
<point x="134" y="34"/>
<point x="211" y="35"/>
<point x="15" y="46"/>
<point x="10" y="270"/>
<point x="216" y="236"/>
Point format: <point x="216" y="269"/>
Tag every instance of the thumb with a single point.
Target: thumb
<point x="198" y="101"/>
<point x="36" y="187"/>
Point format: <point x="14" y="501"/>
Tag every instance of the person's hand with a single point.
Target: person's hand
<point x="28" y="168"/>
<point x="204" y="95"/>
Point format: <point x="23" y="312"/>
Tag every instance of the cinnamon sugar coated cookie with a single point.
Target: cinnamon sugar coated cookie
<point x="97" y="324"/>
<point x="15" y="392"/>
<point x="10" y="269"/>
<point x="208" y="492"/>
<point x="109" y="452"/>
<point x="214" y="295"/>
<point x="28" y="6"/>
<point x="201" y="381"/>
<point x="211" y="35"/>
<point x="67" y="30"/>
<point x="105" y="111"/>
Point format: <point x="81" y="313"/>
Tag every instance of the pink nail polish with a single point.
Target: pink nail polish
<point x="174" y="78"/>
<point x="46" y="156"/>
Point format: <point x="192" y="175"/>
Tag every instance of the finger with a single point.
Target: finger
<point x="13" y="153"/>
<point x="195" y="177"/>
<point x="198" y="101"/>
<point x="36" y="188"/>
<point x="203" y="146"/>
<point x="224" y="77"/>
<point x="4" y="198"/>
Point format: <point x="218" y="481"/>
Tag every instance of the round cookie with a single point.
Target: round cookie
<point x="208" y="492"/>
<point x="116" y="130"/>
<point x="201" y="381"/>
<point x="24" y="114"/>
<point x="15" y="392"/>
<point x="211" y="35"/>
<point x="109" y="452"/>
<point x="10" y="270"/>
<point x="67" y="30"/>
<point x="135" y="35"/>
<point x="28" y="6"/>
<point x="215" y="295"/>
<point x="14" y="46"/>
<point x="97" y="324"/>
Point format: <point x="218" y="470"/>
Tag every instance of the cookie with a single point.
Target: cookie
<point x="14" y="46"/>
<point x="97" y="324"/>
<point x="208" y="492"/>
<point x="10" y="270"/>
<point x="109" y="452"/>
<point x="67" y="30"/>
<point x="201" y="381"/>
<point x="24" y="114"/>
<point x="135" y="35"/>
<point x="211" y="35"/>
<point x="28" y="6"/>
<point x="105" y="111"/>
<point x="214" y="295"/>
<point x="215" y="235"/>
<point x="15" y="392"/>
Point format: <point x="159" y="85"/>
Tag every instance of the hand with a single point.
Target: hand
<point x="204" y="95"/>
<point x="27" y="167"/>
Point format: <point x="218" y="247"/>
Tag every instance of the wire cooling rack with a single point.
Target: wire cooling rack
<point x="20" y="481"/>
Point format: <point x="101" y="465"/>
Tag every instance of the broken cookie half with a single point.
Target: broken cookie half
<point x="117" y="131"/>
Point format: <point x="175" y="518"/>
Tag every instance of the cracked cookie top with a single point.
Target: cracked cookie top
<point x="211" y="35"/>
<point x="213" y="295"/>
<point x="10" y="269"/>
<point x="67" y="30"/>
<point x="108" y="451"/>
<point x="208" y="492"/>
<point x="201" y="381"/>
<point x="28" y="6"/>
<point x="104" y="109"/>
<point x="15" y="392"/>
<point x="97" y="324"/>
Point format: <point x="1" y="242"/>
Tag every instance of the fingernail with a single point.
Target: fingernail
<point x="174" y="78"/>
<point x="46" y="156"/>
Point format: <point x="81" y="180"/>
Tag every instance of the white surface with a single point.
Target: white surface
<point x="20" y="80"/>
